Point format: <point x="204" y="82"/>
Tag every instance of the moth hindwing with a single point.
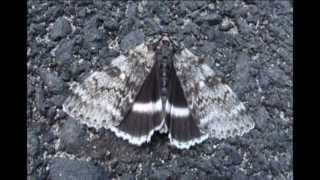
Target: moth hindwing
<point x="158" y="87"/>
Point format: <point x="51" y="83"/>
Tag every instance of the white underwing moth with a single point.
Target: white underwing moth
<point x="159" y="87"/>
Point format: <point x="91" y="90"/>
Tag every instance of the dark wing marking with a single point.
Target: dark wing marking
<point x="104" y="97"/>
<point x="183" y="128"/>
<point x="145" y="116"/>
<point x="213" y="104"/>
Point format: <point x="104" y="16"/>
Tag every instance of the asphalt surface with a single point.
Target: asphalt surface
<point x="247" y="42"/>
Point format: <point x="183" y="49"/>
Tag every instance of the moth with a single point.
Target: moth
<point x="157" y="86"/>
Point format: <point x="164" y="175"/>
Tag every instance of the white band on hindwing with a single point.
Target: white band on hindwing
<point x="177" y="111"/>
<point x="149" y="107"/>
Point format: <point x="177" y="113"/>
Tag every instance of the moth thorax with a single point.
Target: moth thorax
<point x="164" y="78"/>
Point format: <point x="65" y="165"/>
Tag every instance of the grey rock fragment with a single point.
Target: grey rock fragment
<point x="91" y="26"/>
<point x="127" y="177"/>
<point x="93" y="35"/>
<point x="29" y="111"/>
<point x="160" y="174"/>
<point x="261" y="117"/>
<point x="126" y="26"/>
<point x="191" y="28"/>
<point x="238" y="12"/>
<point x="188" y="176"/>
<point x="189" y="41"/>
<point x="53" y="81"/>
<point x="275" y="167"/>
<point x="51" y="113"/>
<point x="242" y="73"/>
<point x="65" y="74"/>
<point x="111" y="24"/>
<point x="60" y="29"/>
<point x="32" y="143"/>
<point x="131" y="10"/>
<point x="211" y="19"/>
<point x="78" y="68"/>
<point x="250" y="1"/>
<point x="57" y="100"/>
<point x="192" y="5"/>
<point x="243" y="26"/>
<point x="30" y="87"/>
<point x="152" y="27"/>
<point x="164" y="15"/>
<point x="33" y="150"/>
<point x="205" y="166"/>
<point x="64" y="169"/>
<point x="260" y="162"/>
<point x="53" y="12"/>
<point x="238" y="175"/>
<point x="131" y="40"/>
<point x="106" y="55"/>
<point x="41" y="104"/>
<point x="48" y="136"/>
<point x="64" y="52"/>
<point x="233" y="157"/>
<point x="208" y="47"/>
<point x="278" y="76"/>
<point x="226" y="26"/>
<point x="37" y="29"/>
<point x="72" y="136"/>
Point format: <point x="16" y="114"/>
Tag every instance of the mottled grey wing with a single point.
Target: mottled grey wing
<point x="104" y="97"/>
<point x="213" y="104"/>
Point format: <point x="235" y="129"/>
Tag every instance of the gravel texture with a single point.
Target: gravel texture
<point x="247" y="42"/>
